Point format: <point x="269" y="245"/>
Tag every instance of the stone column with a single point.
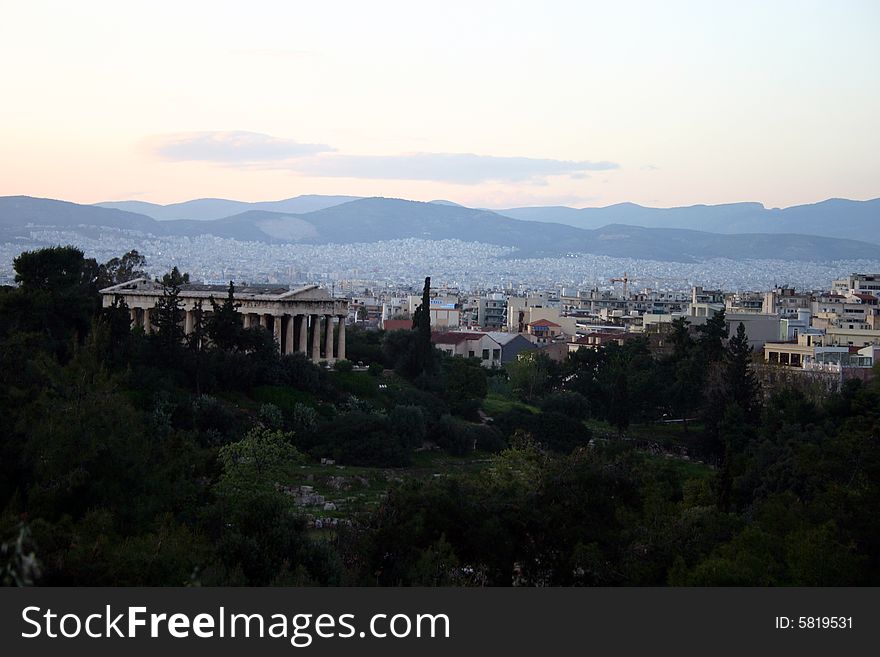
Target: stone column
<point x="148" y="324"/>
<point x="246" y="320"/>
<point x="303" y="322"/>
<point x="264" y="321"/>
<point x="288" y="338"/>
<point x="328" y="337"/>
<point x="316" y="338"/>
<point x="133" y="314"/>
<point x="276" y="333"/>
<point x="341" y="346"/>
<point x="188" y="322"/>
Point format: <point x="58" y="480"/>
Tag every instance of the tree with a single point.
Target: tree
<point x="712" y="336"/>
<point x="118" y="318"/>
<point x="681" y="338"/>
<point x="422" y="327"/>
<point x="257" y="531"/>
<point x="570" y="403"/>
<point x="359" y="438"/>
<point x="532" y="374"/>
<point x="124" y="269"/>
<point x="408" y="424"/>
<point x="57" y="297"/>
<point x="465" y="386"/>
<point x="196" y="341"/>
<point x="224" y="325"/>
<point x="257" y="462"/>
<point x="174" y="278"/>
<point x="169" y="311"/>
<point x="741" y="378"/>
<point x="686" y="390"/>
<point x="619" y="411"/>
<point x="53" y="269"/>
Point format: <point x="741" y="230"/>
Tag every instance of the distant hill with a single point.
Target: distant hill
<point x="684" y="245"/>
<point x="250" y="226"/>
<point x="373" y="219"/>
<point x="208" y="209"/>
<point x="858" y="220"/>
<point x="17" y="213"/>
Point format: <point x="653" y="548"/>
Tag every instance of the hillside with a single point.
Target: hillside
<point x="18" y="213"/>
<point x="858" y="220"/>
<point x="208" y="209"/>
<point x="377" y="219"/>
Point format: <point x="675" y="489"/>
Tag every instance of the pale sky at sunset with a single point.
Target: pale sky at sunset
<point x="483" y="103"/>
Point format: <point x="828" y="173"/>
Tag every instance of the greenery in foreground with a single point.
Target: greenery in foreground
<point x="164" y="460"/>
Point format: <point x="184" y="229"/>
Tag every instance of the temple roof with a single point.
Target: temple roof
<point x="148" y="287"/>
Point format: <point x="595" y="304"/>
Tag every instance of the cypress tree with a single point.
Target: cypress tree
<point x="169" y="310"/>
<point x="741" y="379"/>
<point x="422" y="326"/>
<point x="224" y="325"/>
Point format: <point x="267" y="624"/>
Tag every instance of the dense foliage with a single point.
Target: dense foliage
<point x="133" y="458"/>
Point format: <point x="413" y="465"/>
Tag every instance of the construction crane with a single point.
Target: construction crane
<point x="625" y="280"/>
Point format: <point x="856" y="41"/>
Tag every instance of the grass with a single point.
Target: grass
<point x="360" y="384"/>
<point x="358" y="490"/>
<point x="495" y="404"/>
<point x="283" y="397"/>
<point x="685" y="469"/>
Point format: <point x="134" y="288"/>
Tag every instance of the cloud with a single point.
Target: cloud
<point x="461" y="168"/>
<point x="255" y="150"/>
<point x="650" y="167"/>
<point x="232" y="147"/>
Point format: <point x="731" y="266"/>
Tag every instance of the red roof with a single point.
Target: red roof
<point x="543" y="322"/>
<point x="868" y="298"/>
<point x="397" y="324"/>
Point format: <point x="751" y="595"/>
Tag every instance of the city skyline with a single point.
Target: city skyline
<point x="493" y="106"/>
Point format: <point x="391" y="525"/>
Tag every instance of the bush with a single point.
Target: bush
<point x="408" y="423"/>
<point x="568" y="403"/>
<point x="433" y="406"/>
<point x="488" y="438"/>
<point x="343" y="365"/>
<point x="555" y="431"/>
<point x="359" y="438"/>
<point x="271" y="417"/>
<point x="215" y="422"/>
<point x="298" y="371"/>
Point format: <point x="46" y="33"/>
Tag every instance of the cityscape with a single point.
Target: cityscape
<point x="325" y="298"/>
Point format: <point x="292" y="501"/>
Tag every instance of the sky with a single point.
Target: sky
<point x="488" y="104"/>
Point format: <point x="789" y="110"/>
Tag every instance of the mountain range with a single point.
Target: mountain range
<point x="857" y="220"/>
<point x="738" y="231"/>
<point x="836" y="217"/>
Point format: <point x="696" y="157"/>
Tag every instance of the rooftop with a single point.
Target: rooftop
<point x="148" y="287"/>
<point x="454" y="337"/>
